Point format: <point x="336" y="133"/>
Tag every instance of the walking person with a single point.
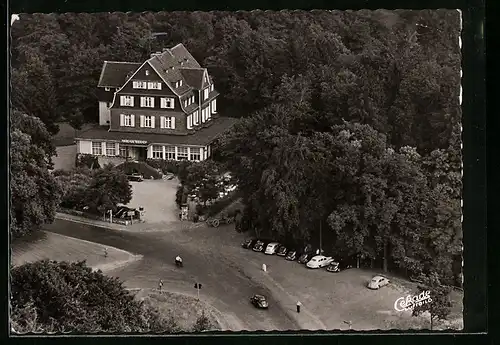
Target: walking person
<point x="298" y="306"/>
<point x="160" y="285"/>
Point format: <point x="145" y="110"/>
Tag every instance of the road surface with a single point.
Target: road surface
<point x="223" y="285"/>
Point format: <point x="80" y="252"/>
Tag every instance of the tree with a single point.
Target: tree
<point x="204" y="178"/>
<point x="440" y="306"/>
<point x="33" y="91"/>
<point x="74" y="187"/>
<point x="202" y="323"/>
<point x="108" y="188"/>
<point x="34" y="192"/>
<point x="70" y="297"/>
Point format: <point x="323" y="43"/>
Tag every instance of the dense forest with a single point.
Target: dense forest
<point x="350" y="120"/>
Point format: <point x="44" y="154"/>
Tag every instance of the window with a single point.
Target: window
<point x="127" y="101"/>
<point x="123" y="151"/>
<point x="153" y="85"/>
<point x="208" y="112"/>
<point x="194" y="154"/>
<point x="148" y="102"/>
<point x="211" y="87"/>
<point x="147" y="72"/>
<point x="192" y="99"/>
<point x="127" y="120"/>
<point x="205" y="93"/>
<point x="139" y="84"/>
<point x="96" y="148"/>
<point x="148" y="121"/>
<point x="167" y="122"/>
<point x="214" y="106"/>
<point x="196" y="117"/>
<point x="110" y="149"/>
<point x="185" y="103"/>
<point x="182" y="153"/>
<point x="190" y="121"/>
<point x="170" y="152"/>
<point x="167" y="103"/>
<point x="107" y="89"/>
<point x="157" y="151"/>
<point x="203" y="115"/>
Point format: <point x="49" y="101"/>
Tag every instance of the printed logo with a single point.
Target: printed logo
<point x="409" y="302"/>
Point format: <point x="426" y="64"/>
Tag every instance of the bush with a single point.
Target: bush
<point x="223" y="203"/>
<point x="177" y="168"/>
<point x="70" y="297"/>
<point x="87" y="160"/>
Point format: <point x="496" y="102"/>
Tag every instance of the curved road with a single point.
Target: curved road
<point x="224" y="286"/>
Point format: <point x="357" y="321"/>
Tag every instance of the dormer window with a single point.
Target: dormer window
<point x="205" y="93"/>
<point x="153" y="85"/>
<point x="211" y="87"/>
<point x="107" y="89"/>
<point x="178" y="83"/>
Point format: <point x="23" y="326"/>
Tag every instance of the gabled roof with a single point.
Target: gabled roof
<point x="115" y="73"/>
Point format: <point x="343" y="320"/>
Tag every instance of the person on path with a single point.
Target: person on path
<point x="160" y="285"/>
<point x="298" y="306"/>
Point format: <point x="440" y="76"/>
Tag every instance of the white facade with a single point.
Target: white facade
<point x="104" y="113"/>
<point x="167" y="152"/>
<point x="84" y="146"/>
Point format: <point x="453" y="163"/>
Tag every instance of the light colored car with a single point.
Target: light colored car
<point x="377" y="282"/>
<point x="272" y="248"/>
<point x="319" y="261"/>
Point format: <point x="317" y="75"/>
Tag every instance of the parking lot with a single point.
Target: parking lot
<point x="331" y="297"/>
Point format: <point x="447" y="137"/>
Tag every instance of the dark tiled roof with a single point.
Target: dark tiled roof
<point x="202" y="137"/>
<point x="114" y="74"/>
<point x="193" y="77"/>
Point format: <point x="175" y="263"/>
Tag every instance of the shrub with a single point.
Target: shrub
<point x="64" y="297"/>
<point x="222" y="204"/>
<point x="177" y="168"/>
<point x="87" y="160"/>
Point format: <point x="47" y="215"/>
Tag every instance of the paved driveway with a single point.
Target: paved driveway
<point x="158" y="199"/>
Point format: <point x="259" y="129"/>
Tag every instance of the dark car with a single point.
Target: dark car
<point x="259" y="301"/>
<point x="304" y="258"/>
<point x="338" y="266"/>
<point x="135" y="177"/>
<point x="282" y="250"/>
<point x="249" y="243"/>
<point x="292" y="255"/>
<point x="261" y="244"/>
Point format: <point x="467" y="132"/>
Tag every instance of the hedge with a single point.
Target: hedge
<point x="177" y="168"/>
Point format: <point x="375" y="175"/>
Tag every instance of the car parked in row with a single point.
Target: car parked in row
<point x="304" y="258"/>
<point x="249" y="243"/>
<point x="261" y="245"/>
<point x="282" y="251"/>
<point x="272" y="248"/>
<point x="292" y="255"/>
<point x="319" y="261"/>
<point x="337" y="266"/>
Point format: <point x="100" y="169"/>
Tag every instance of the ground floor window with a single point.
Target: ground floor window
<point x="96" y="148"/>
<point x="123" y="151"/>
<point x="182" y="153"/>
<point x="170" y="152"/>
<point x="194" y="154"/>
<point x="110" y="149"/>
<point x="157" y="151"/>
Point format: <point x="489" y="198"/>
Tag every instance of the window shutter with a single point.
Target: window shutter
<point x="152" y="99"/>
<point x="159" y="86"/>
<point x="131" y="101"/>
<point x="162" y="121"/>
<point x="132" y="120"/>
<point x="142" y="121"/>
<point x="122" y="120"/>
<point x="142" y="102"/>
<point x="172" y="125"/>
<point x="122" y="100"/>
<point x="152" y="122"/>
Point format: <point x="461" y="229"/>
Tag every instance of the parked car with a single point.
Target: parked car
<point x="319" y="261"/>
<point x="249" y="243"/>
<point x="377" y="282"/>
<point x="292" y="255"/>
<point x="272" y="248"/>
<point x="261" y="245"/>
<point x="169" y="176"/>
<point x="337" y="266"/>
<point x="259" y="301"/>
<point x="135" y="177"/>
<point x="305" y="257"/>
<point x="282" y="250"/>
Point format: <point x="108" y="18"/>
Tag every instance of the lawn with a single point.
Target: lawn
<point x="62" y="248"/>
<point x="184" y="309"/>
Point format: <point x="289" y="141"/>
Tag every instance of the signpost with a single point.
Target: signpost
<point x="197" y="286"/>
